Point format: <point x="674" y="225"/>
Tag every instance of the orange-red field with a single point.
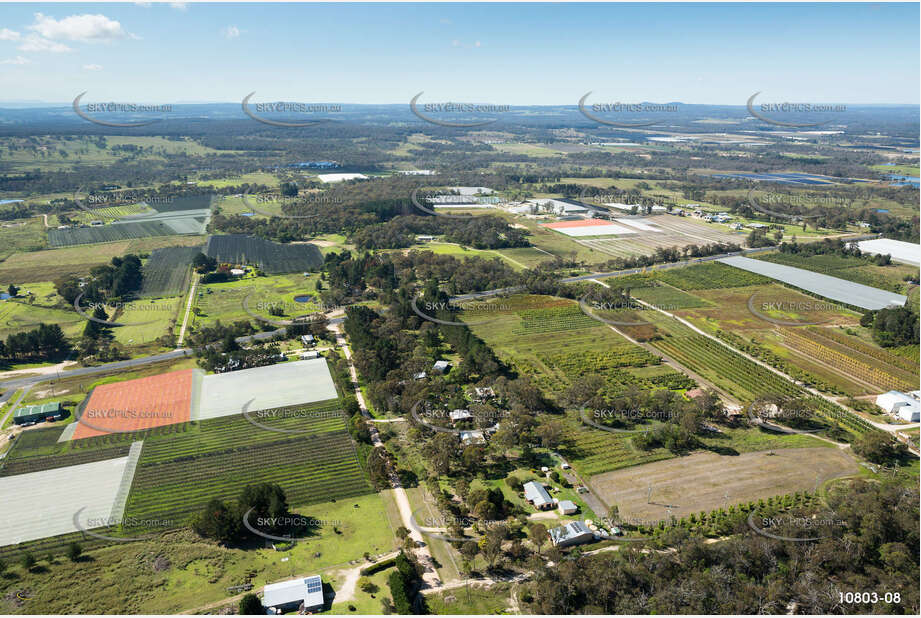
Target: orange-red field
<point x="577" y="223"/>
<point x="137" y="404"/>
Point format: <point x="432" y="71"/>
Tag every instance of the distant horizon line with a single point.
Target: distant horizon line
<point x="38" y="103"/>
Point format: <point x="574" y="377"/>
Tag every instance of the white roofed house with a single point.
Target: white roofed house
<point x="472" y="437"/>
<point x="536" y="494"/>
<point x="460" y="415"/>
<point x="441" y="366"/>
<point x="573" y="533"/>
<point x="483" y="392"/>
<point x="303" y="594"/>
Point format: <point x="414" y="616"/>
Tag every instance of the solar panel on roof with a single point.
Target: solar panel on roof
<point x="314" y="585"/>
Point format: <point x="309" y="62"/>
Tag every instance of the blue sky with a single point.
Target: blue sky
<point x="518" y="54"/>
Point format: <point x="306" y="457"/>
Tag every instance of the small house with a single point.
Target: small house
<point x="472" y="437"/>
<point x="309" y="354"/>
<point x="573" y="533"/>
<point x="307" y="340"/>
<point x="441" y="366"/>
<point x="484" y="392"/>
<point x="302" y="595"/>
<point x="460" y="415"/>
<point x="536" y="495"/>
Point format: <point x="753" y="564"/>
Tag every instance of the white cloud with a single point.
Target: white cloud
<point x="86" y="28"/>
<point x="92" y="67"/>
<point x="231" y="32"/>
<point x="145" y="5"/>
<point x="16" y="60"/>
<point x="458" y="43"/>
<point x="35" y="43"/>
<point x="179" y="6"/>
<point x="9" y="35"/>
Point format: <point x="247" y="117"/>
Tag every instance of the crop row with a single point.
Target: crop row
<point x="593" y="452"/>
<point x="734" y="372"/>
<point x="845" y="363"/>
<point x="310" y="469"/>
<point x="854" y="346"/>
<point x="166" y="272"/>
<point x="553" y="320"/>
<point x="51" y="462"/>
<point x="236" y="431"/>
<point x="107" y="233"/>
<point x="708" y="276"/>
<point x="745" y="379"/>
<point x="272" y="257"/>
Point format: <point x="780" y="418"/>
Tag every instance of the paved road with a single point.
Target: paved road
<point x="12" y="384"/>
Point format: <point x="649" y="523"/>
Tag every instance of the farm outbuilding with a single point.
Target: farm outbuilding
<point x="568" y="507"/>
<point x="901" y="405"/>
<point x="39" y="413"/>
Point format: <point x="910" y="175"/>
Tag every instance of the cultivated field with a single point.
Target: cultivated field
<point x="166" y="272"/>
<point x="827" y="286"/>
<point x="706" y="481"/>
<point x="554" y="342"/>
<point x="673" y="231"/>
<point x="43" y="504"/>
<point x="264" y="388"/>
<point x="136" y="405"/>
<point x="269" y="256"/>
<point x="111" y="232"/>
<point x="313" y="459"/>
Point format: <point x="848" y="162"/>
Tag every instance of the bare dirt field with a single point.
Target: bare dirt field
<point x="704" y="481"/>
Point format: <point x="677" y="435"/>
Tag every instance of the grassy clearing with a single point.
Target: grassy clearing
<point x="902" y="170"/>
<point x="56" y="263"/>
<point x="531" y="150"/>
<point x="224" y="301"/>
<point x="22" y="235"/>
<point x="178" y="572"/>
<point x="555" y="243"/>
<point x="257" y="178"/>
<point x="472" y="600"/>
